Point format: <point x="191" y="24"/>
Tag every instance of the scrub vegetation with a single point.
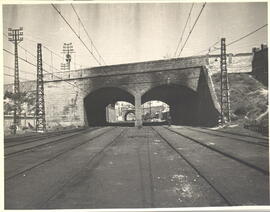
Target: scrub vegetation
<point x="249" y="99"/>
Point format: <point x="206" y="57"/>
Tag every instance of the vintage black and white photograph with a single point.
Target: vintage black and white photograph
<point x="121" y="105"/>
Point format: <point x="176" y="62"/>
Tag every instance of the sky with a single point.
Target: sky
<point x="128" y="32"/>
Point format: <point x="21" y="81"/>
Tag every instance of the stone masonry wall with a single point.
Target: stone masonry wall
<point x="240" y="63"/>
<point x="64" y="99"/>
<point x="260" y="64"/>
<point x="64" y="102"/>
<point x="130" y="68"/>
<point x="24" y="86"/>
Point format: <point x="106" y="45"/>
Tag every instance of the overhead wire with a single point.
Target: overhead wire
<point x="32" y="64"/>
<point x="242" y="37"/>
<point x="45" y="47"/>
<point x="231" y="43"/>
<point x="5" y="50"/>
<point x="33" y="55"/>
<point x="91" y="41"/>
<point x="209" y="48"/>
<point x="9" y="75"/>
<point x="181" y="38"/>
<point x="59" y="56"/>
<point x="192" y="28"/>
<point x="72" y="29"/>
<point x="235" y="41"/>
<point x="10" y="68"/>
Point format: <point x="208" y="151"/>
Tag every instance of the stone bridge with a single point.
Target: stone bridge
<point x="125" y="113"/>
<point x="183" y="83"/>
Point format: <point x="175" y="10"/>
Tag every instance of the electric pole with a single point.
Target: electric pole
<point x="40" y="108"/>
<point x="67" y="50"/>
<point x="15" y="36"/>
<point x="150" y="104"/>
<point x="224" y="85"/>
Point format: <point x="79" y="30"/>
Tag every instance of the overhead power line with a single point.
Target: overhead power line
<point x="9" y="75"/>
<point x="235" y="41"/>
<point x="76" y="34"/>
<point x="213" y="46"/>
<point x="192" y="29"/>
<point x="30" y="53"/>
<point x="5" y="50"/>
<point x="92" y="43"/>
<point x="181" y="38"/>
<point x="58" y="55"/>
<point x="209" y="48"/>
<point x="45" y="47"/>
<point x="241" y="38"/>
<point x="21" y="47"/>
<point x="10" y="68"/>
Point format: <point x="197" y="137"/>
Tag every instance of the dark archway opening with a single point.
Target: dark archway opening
<point x="96" y="104"/>
<point x="155" y="112"/>
<point x="182" y="102"/>
<point x="129" y="116"/>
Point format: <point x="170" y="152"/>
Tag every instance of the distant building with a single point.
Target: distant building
<point x="260" y="64"/>
<point x="110" y="114"/>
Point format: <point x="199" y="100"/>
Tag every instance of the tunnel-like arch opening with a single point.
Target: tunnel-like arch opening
<point x="182" y="102"/>
<point x="124" y="112"/>
<point x="129" y="115"/>
<point x="155" y="111"/>
<point x="96" y="104"/>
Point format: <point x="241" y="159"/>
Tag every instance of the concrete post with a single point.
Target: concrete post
<point x="138" y="111"/>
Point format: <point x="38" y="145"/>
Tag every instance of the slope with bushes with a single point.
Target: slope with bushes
<point x="249" y="99"/>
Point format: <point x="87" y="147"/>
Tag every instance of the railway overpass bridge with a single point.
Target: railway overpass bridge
<point x="81" y="97"/>
<point x="126" y="112"/>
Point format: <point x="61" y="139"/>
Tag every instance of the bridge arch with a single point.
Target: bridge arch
<point x="95" y="103"/>
<point x="127" y="113"/>
<point x="182" y="101"/>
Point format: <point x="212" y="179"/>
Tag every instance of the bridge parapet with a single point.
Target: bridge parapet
<point x="150" y="66"/>
<point x="239" y="63"/>
<point x="130" y="68"/>
<point x="236" y="64"/>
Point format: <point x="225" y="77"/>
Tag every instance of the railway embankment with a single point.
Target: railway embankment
<point x="249" y="101"/>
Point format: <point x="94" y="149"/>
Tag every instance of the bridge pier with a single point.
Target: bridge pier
<point x="138" y="110"/>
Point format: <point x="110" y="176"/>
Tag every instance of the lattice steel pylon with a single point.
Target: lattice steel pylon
<point x="15" y="36"/>
<point x="40" y="104"/>
<point x="224" y="85"/>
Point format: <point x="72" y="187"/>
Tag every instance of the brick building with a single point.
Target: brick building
<point x="260" y="64"/>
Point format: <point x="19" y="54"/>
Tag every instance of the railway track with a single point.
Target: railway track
<point x="142" y="165"/>
<point x="65" y="151"/>
<point x="151" y="177"/>
<point x="78" y="173"/>
<point x="39" y="145"/>
<point x="19" y="139"/>
<point x="30" y="139"/>
<point x="222" y="152"/>
<point x="225" y="135"/>
<point x="193" y="167"/>
<point x="237" y="134"/>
